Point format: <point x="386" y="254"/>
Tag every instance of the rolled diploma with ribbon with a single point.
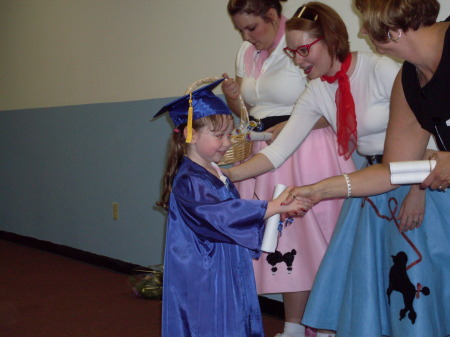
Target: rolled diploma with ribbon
<point x="254" y="136"/>
<point x="410" y="172"/>
<point x="270" y="238"/>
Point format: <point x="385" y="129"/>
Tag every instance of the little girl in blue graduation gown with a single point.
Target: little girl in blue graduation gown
<point x="212" y="235"/>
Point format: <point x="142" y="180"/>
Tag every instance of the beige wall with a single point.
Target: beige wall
<point x="57" y="53"/>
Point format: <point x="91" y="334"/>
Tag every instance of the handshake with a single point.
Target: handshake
<point x="290" y="205"/>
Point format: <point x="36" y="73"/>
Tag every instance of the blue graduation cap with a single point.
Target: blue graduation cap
<point x="197" y="104"/>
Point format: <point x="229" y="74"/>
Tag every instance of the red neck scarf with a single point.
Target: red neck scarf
<point x="346" y="117"/>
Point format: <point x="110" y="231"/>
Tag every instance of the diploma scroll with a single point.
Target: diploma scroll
<point x="410" y="172"/>
<point x="270" y="238"/>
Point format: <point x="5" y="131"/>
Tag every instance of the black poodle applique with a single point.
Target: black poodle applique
<point x="274" y="258"/>
<point x="399" y="281"/>
<point x="398" y="275"/>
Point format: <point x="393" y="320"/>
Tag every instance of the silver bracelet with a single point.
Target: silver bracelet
<point x="349" y="186"/>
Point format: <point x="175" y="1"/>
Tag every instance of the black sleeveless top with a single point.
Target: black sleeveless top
<point x="431" y="103"/>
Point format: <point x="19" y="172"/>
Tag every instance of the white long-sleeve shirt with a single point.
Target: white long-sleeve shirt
<point x="371" y="84"/>
<point x="277" y="89"/>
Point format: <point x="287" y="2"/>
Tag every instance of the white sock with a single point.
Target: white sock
<point x="294" y="329"/>
<point x="323" y="334"/>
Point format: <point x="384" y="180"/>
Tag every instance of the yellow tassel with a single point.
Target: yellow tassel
<point x="189" y="121"/>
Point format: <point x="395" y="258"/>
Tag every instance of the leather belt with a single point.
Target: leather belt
<point x="266" y="123"/>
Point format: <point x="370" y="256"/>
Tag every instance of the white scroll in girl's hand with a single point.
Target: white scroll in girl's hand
<point x="270" y="238"/>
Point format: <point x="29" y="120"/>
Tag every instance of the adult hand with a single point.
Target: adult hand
<point x="301" y="192"/>
<point x="297" y="207"/>
<point x="439" y="178"/>
<point x="412" y="210"/>
<point x="275" y="130"/>
<point x="230" y="87"/>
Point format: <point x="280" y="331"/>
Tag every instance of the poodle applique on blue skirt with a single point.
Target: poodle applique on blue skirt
<point x="375" y="281"/>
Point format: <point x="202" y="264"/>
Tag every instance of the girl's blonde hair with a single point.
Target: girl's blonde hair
<point x="178" y="149"/>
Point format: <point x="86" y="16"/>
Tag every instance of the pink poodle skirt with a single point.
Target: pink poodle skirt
<point x="303" y="243"/>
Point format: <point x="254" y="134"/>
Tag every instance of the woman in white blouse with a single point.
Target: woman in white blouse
<point x="351" y="90"/>
<point x="270" y="84"/>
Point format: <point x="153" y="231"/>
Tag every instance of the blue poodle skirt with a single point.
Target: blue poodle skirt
<point x="350" y="290"/>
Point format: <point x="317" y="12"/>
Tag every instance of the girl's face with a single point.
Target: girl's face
<point x="318" y="62"/>
<point x="210" y="145"/>
<point x="255" y="30"/>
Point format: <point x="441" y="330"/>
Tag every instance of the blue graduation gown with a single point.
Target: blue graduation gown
<point x="211" y="238"/>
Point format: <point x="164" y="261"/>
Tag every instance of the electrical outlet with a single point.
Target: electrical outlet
<point x="115" y="209"/>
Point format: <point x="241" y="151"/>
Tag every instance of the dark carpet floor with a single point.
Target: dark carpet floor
<point x="48" y="295"/>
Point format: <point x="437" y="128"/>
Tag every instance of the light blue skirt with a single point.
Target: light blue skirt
<point x="369" y="258"/>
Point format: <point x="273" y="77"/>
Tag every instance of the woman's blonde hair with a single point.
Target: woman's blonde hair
<point x="380" y="16"/>
<point x="319" y="20"/>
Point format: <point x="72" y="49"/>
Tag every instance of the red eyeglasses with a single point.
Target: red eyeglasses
<point x="302" y="50"/>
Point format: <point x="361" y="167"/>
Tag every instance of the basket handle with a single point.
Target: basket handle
<point x="244" y="113"/>
<point x="197" y="84"/>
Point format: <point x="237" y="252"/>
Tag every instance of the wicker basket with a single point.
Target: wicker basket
<point x="241" y="146"/>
